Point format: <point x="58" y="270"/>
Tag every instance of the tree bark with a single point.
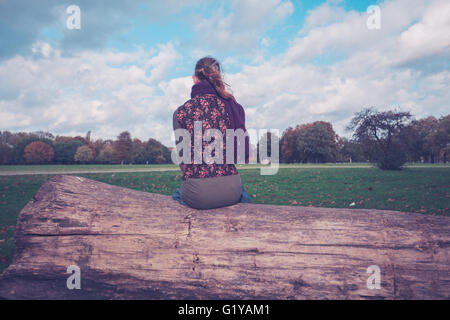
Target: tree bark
<point x="136" y="245"/>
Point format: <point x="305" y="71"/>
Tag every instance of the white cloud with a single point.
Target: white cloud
<point x="242" y="28"/>
<point x="105" y="92"/>
<point x="430" y="36"/>
<point x="323" y="15"/>
<point x="108" y="92"/>
<point x="370" y="69"/>
<point x="162" y="62"/>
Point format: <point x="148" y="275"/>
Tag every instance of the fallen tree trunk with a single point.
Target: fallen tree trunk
<point x="137" y="245"/>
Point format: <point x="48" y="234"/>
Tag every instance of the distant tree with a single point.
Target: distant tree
<point x="414" y="137"/>
<point x="381" y="131"/>
<point x="44" y="135"/>
<point x="6" y="148"/>
<point x="156" y="152"/>
<point x="6" y="153"/>
<point x="99" y="144"/>
<point x="93" y="148"/>
<point x="351" y="151"/>
<point x="84" y="154"/>
<point x="19" y="148"/>
<point x="138" y="151"/>
<point x="123" y="147"/>
<point x="317" y="142"/>
<point x="289" y="152"/>
<point x="38" y="152"/>
<point x="310" y="142"/>
<point x="106" y="154"/>
<point x="65" y="150"/>
<point x="438" y="141"/>
<point x="82" y="140"/>
<point x="266" y="140"/>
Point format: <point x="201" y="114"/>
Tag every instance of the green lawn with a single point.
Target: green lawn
<point x="83" y="167"/>
<point x="159" y="167"/>
<point x="419" y="188"/>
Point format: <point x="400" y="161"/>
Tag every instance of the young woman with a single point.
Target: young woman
<point x="214" y="185"/>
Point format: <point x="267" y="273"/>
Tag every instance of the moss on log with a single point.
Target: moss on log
<point x="136" y="245"/>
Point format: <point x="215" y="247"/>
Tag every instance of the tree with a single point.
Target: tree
<point x="351" y="151"/>
<point x="414" y="137"/>
<point x="438" y="141"/>
<point x="26" y="139"/>
<point x="138" y="152"/>
<point x="65" y="150"/>
<point x="310" y="142"/>
<point x="106" y="154"/>
<point x="317" y="142"/>
<point x="84" y="154"/>
<point x="381" y="131"/>
<point x="156" y="152"/>
<point x="38" y="152"/>
<point x="123" y="147"/>
<point x="6" y="147"/>
<point x="266" y="140"/>
<point x="289" y="152"/>
<point x="6" y="153"/>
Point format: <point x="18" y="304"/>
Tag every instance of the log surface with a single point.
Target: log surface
<point x="136" y="245"/>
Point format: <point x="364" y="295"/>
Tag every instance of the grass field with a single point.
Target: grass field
<point x="418" y="188"/>
<point x="143" y="167"/>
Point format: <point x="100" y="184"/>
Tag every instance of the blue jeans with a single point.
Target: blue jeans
<point x="244" y="196"/>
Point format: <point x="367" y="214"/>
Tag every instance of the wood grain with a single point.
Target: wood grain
<point x="137" y="245"/>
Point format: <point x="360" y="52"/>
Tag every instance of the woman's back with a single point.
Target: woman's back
<point x="208" y="181"/>
<point x="205" y="106"/>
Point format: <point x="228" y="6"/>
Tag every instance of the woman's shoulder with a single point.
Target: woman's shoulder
<point x="189" y="103"/>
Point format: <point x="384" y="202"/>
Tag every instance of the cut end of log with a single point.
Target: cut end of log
<point x="83" y="239"/>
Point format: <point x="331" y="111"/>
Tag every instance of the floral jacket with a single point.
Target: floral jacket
<point x="210" y="110"/>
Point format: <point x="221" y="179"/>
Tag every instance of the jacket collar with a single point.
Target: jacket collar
<point x="202" y="87"/>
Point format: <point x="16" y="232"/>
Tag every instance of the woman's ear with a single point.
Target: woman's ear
<point x="196" y="80"/>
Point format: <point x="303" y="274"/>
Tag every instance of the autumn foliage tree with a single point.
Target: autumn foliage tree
<point x="288" y="145"/>
<point x="106" y="154"/>
<point x="138" y="151"/>
<point x="123" y="147"/>
<point x="38" y="152"/>
<point x="25" y="140"/>
<point x="84" y="154"/>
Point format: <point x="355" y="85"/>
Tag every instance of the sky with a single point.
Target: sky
<point x="129" y="65"/>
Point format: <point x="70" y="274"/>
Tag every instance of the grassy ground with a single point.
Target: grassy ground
<point x="143" y="167"/>
<point x="83" y="167"/>
<point x="423" y="188"/>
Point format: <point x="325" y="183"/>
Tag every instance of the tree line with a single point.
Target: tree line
<point x="387" y="138"/>
<point x="44" y="148"/>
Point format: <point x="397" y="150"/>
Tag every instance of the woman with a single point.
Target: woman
<point x="213" y="185"/>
